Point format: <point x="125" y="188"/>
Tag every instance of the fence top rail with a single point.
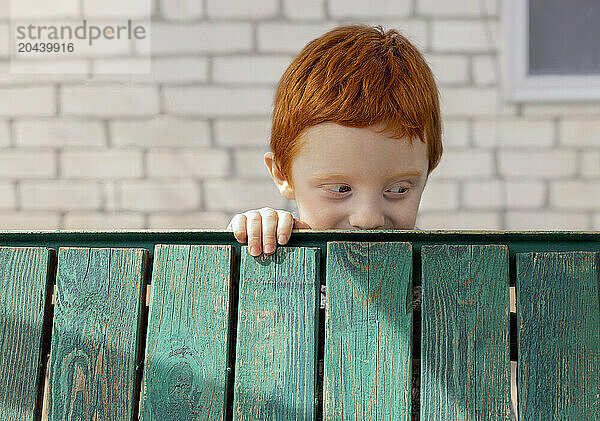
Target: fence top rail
<point x="517" y="241"/>
<point x="303" y="231"/>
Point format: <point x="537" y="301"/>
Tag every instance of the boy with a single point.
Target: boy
<point x="356" y="132"/>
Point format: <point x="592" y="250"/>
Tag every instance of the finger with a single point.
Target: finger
<point x="238" y="225"/>
<point x="284" y="226"/>
<point x="269" y="227"/>
<point x="254" y="232"/>
<point x="300" y="224"/>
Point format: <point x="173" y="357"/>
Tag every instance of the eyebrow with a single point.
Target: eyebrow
<point x="324" y="177"/>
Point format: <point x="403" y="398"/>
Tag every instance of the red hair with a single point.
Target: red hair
<point x="357" y="76"/>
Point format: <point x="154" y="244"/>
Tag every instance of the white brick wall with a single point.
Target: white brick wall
<point x="158" y="195"/>
<point x="218" y="102"/>
<point x="191" y="163"/>
<point x="183" y="146"/>
<point x="109" y="100"/>
<point x="101" y="164"/>
<point x="374" y="8"/>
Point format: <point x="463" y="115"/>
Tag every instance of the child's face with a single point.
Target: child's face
<point x="354" y="178"/>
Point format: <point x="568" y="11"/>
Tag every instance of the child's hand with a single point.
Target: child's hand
<point x="262" y="226"/>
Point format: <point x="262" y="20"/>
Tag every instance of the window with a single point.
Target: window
<point x="552" y="50"/>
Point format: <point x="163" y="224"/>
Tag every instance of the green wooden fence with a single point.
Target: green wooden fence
<point x="336" y="325"/>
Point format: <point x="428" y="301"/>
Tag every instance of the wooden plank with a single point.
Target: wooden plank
<point x="275" y="368"/>
<point x="185" y="365"/>
<point x="95" y="333"/>
<point x="465" y="371"/>
<point x="559" y="335"/>
<point x="368" y="331"/>
<point x="23" y="292"/>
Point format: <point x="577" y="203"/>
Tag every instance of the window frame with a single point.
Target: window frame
<point x="519" y="86"/>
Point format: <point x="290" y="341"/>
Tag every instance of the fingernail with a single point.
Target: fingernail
<point x="282" y="239"/>
<point x="269" y="248"/>
<point x="255" y="251"/>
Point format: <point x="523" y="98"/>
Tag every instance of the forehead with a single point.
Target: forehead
<point x="361" y="151"/>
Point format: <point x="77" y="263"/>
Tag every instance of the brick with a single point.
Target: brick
<point x="439" y="196"/>
<point x="180" y="69"/>
<point x="575" y="195"/>
<point x="158" y="195"/>
<point x="160" y="131"/>
<point x="109" y="100"/>
<point x="4" y="40"/>
<point x="539" y="220"/>
<point x="455" y="134"/>
<point x="525" y="194"/>
<point x="42" y="71"/>
<point x="235" y="195"/>
<point x="483" y="195"/>
<point x="472" y="102"/>
<point x="459" y="220"/>
<point x="114" y="9"/>
<point x="218" y="102"/>
<point x="192" y="220"/>
<point x="462" y="8"/>
<point x="596" y="222"/>
<point x="276" y="37"/>
<point x="590" y="164"/>
<point x="35" y="101"/>
<point x="172" y="38"/>
<point x="27" y="164"/>
<point x="4" y="133"/>
<point x="449" y="69"/>
<point x="110" y="196"/>
<point x="181" y="10"/>
<point x="103" y="221"/>
<point x="304" y="9"/>
<point x="486" y="70"/>
<point x="463" y="36"/>
<point x="7" y="196"/>
<point x="250" y="163"/>
<point x="29" y="9"/>
<point x="246" y="132"/>
<point x="128" y="69"/>
<point x="59" y="132"/>
<point x="59" y="195"/>
<point x="242" y="9"/>
<point x="373" y="8"/>
<point x="29" y="220"/>
<point x="188" y="163"/>
<point x="518" y="133"/>
<point x="464" y="164"/>
<point x="103" y="164"/>
<point x="580" y="132"/>
<point x="257" y="69"/>
<point x="560" y="110"/>
<point x="538" y="164"/>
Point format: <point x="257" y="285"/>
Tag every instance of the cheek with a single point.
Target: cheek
<point x="319" y="214"/>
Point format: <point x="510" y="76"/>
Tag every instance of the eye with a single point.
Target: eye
<point x="403" y="189"/>
<point x="343" y="189"/>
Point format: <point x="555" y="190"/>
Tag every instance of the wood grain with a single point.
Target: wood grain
<point x="23" y="289"/>
<point x="465" y="371"/>
<point x="368" y="331"/>
<point x="95" y="333"/>
<point x="275" y="368"/>
<point x="185" y="365"/>
<point x="559" y="335"/>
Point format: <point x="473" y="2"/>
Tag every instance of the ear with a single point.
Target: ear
<point x="281" y="182"/>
